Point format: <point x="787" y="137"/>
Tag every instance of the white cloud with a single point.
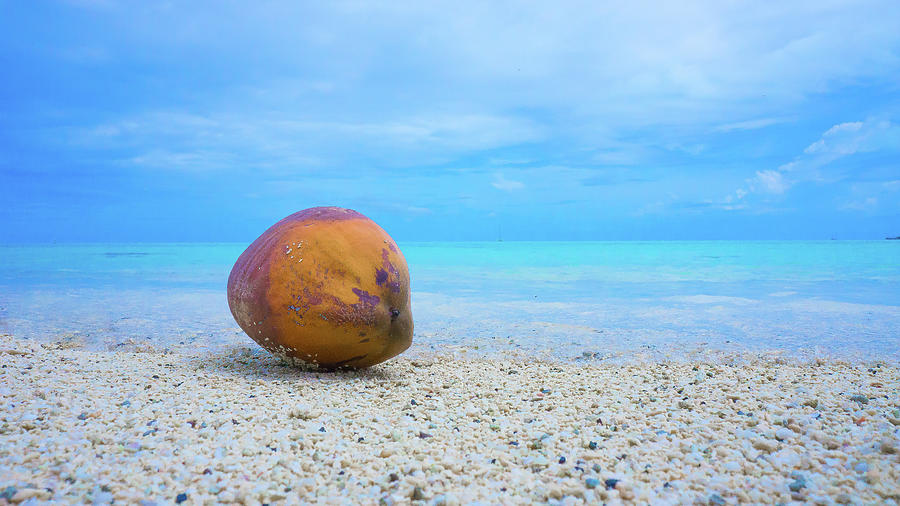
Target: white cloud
<point x="655" y="207"/>
<point x="617" y="65"/>
<point x="846" y="139"/>
<point x="271" y="140"/>
<point x="866" y="204"/>
<point x="771" y="181"/>
<point x="749" y="124"/>
<point x="507" y="185"/>
<point x="841" y="140"/>
<point x="418" y="210"/>
<point x="354" y="86"/>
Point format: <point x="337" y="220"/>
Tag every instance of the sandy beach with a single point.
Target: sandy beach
<point x="239" y="426"/>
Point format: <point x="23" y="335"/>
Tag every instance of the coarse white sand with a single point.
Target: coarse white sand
<point x="239" y="426"/>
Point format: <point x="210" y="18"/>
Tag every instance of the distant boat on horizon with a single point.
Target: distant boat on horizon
<point x="893" y="238"/>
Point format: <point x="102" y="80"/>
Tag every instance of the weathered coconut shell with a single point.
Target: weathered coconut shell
<point x="326" y="286"/>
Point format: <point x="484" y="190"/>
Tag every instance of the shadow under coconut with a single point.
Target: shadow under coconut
<point x="257" y="363"/>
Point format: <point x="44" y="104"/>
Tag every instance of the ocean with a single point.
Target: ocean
<point x="561" y="300"/>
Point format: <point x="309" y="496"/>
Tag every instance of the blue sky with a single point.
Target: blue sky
<point x="167" y="121"/>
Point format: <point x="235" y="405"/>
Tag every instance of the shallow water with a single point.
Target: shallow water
<point x="562" y="299"/>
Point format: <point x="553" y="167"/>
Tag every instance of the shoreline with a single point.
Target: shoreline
<point x="238" y="426"/>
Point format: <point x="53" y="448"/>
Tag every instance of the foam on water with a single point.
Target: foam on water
<point x="579" y="299"/>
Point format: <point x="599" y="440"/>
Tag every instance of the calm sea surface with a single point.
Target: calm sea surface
<point x="584" y="300"/>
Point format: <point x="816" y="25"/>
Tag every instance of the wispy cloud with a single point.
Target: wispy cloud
<point x="843" y="140"/>
<point x="507" y="185"/>
<point x="269" y="140"/>
<point x="752" y="124"/>
<point x="855" y="137"/>
<point x="504" y="80"/>
<point x="839" y="141"/>
<point x="866" y="204"/>
<point x="770" y="181"/>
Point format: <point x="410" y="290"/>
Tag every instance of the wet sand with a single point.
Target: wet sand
<point x="239" y="426"/>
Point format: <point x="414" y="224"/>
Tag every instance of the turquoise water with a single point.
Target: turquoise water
<point x="563" y="299"/>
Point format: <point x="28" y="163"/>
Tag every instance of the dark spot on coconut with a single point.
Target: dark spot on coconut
<point x="365" y="298"/>
<point x="312" y="299"/>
